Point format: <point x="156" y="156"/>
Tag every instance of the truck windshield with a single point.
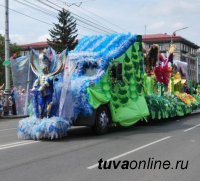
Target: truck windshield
<point x="90" y="71"/>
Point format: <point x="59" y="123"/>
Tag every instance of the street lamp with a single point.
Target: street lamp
<point x="174" y="33"/>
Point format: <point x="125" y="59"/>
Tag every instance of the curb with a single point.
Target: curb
<point x="195" y="112"/>
<point x="14" y="116"/>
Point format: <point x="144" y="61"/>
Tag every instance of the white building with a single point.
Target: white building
<point x="186" y="50"/>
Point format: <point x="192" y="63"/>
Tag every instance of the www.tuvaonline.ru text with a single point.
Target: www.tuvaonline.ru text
<point x="150" y="163"/>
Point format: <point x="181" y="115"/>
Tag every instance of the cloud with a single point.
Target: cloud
<point x="157" y="25"/>
<point x="178" y="25"/>
<point x="17" y="38"/>
<point x="43" y="37"/>
<point x="170" y="7"/>
<point x="27" y="38"/>
<point x="14" y="38"/>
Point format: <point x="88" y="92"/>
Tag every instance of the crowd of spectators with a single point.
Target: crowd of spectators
<point x="7" y="104"/>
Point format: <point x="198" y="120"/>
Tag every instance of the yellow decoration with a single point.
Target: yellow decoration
<point x="177" y="78"/>
<point x="186" y="98"/>
<point x="172" y="48"/>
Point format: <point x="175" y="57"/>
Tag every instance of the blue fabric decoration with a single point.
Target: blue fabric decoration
<point x="34" y="128"/>
<point x="88" y="63"/>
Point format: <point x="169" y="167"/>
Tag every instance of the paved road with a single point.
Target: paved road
<point x="75" y="157"/>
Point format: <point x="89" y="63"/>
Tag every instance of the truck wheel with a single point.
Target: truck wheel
<point x="102" y="120"/>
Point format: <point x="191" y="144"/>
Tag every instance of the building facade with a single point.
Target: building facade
<point x="38" y="46"/>
<point x="186" y="51"/>
<point x="198" y="60"/>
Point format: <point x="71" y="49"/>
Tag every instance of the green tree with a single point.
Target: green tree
<point x="14" y="48"/>
<point x="64" y="33"/>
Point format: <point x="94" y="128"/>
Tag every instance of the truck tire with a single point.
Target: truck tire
<point x="102" y="120"/>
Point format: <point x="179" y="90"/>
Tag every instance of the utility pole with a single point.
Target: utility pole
<point x="174" y="33"/>
<point x="7" y="90"/>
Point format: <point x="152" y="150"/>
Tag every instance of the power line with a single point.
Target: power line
<point x="26" y="15"/>
<point x="39" y="9"/>
<point x="76" y="18"/>
<point x="104" y="19"/>
<point x="84" y="19"/>
<point x="84" y="13"/>
<point x="38" y="19"/>
<point x="52" y="16"/>
<point x="79" y="18"/>
<point x="3" y="6"/>
<point x="35" y="8"/>
<point x="47" y="5"/>
<point x="78" y="4"/>
<point x="89" y="29"/>
<point x="47" y="10"/>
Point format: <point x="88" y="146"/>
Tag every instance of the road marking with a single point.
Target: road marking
<point x="131" y="151"/>
<point x="16" y="144"/>
<point x="7" y="129"/>
<point x="186" y="130"/>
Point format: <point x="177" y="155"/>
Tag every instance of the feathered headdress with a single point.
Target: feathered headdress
<point x="163" y="69"/>
<point x="151" y="58"/>
<point x="50" y="59"/>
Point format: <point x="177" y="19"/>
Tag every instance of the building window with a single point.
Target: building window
<point x="161" y="47"/>
<point x="182" y="47"/>
<point x="178" y="46"/>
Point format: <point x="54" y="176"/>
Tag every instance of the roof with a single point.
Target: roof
<point x="155" y="38"/>
<point x="159" y="37"/>
<point x="36" y="45"/>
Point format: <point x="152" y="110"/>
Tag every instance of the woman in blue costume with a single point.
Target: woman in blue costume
<point x="43" y="90"/>
<point x="43" y="125"/>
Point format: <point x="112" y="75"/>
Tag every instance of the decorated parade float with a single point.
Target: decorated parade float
<point x="106" y="80"/>
<point x="168" y="93"/>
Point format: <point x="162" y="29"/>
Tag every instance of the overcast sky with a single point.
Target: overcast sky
<point x="159" y="16"/>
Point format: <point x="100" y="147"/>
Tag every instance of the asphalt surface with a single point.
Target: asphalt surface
<point x="75" y="157"/>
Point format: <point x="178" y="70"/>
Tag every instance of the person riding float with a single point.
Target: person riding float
<point x="43" y="85"/>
